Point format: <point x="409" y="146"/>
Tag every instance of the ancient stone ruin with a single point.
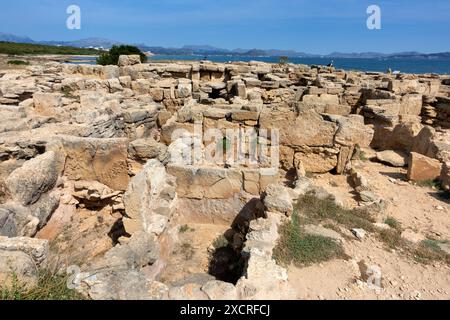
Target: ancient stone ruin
<point x="111" y="170"/>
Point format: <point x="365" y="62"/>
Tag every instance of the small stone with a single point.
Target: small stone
<point x="412" y="236"/>
<point x="359" y="233"/>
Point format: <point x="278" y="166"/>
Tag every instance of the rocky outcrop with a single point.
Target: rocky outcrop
<point x="102" y="160"/>
<point x="129" y="60"/>
<point x="393" y="158"/>
<point x="124" y="154"/>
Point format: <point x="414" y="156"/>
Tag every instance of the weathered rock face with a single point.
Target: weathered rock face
<point x="209" y="183"/>
<point x="118" y="276"/>
<point x="37" y="249"/>
<point x="103" y="160"/>
<point x="422" y="168"/>
<point x="37" y="176"/>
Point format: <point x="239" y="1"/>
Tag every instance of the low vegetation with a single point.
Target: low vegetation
<point x="18" y="63"/>
<point x="296" y="247"/>
<point x="50" y="286"/>
<point x="112" y="57"/>
<point x="302" y="249"/>
<point x="12" y="48"/>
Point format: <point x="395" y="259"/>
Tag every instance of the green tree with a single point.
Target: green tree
<point x="112" y="57"/>
<point x="283" y="60"/>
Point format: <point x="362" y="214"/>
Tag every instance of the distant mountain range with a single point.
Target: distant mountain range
<point x="207" y="50"/>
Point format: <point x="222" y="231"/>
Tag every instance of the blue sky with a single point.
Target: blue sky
<point x="314" y="26"/>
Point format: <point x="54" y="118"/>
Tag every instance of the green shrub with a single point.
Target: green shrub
<point x="436" y="184"/>
<point x="220" y="242"/>
<point x="393" y="223"/>
<point x="18" y="62"/>
<point x="429" y="251"/>
<point x="112" y="57"/>
<point x="12" y="48"/>
<point x="283" y="60"/>
<point x="295" y="247"/>
<point x="185" y="228"/>
<point x="319" y="210"/>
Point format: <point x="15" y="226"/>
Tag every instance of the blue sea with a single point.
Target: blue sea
<point x="404" y="65"/>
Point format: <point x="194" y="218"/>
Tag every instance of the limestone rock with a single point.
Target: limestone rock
<point x="256" y="285"/>
<point x="17" y="220"/>
<point x="277" y="199"/>
<point x="21" y="265"/>
<point x="146" y="149"/>
<point x="37" y="249"/>
<point x="114" y="285"/>
<point x="445" y="176"/>
<point x="147" y="192"/>
<point x="306" y="129"/>
<point x="403" y="86"/>
<point x="44" y="208"/>
<point x="46" y="103"/>
<point x="191" y="291"/>
<point x="412" y="236"/>
<point x="321" y="162"/>
<point x="91" y="159"/>
<point x="210" y="183"/>
<point x="129" y="60"/>
<point x="359" y="233"/>
<point x="422" y="168"/>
